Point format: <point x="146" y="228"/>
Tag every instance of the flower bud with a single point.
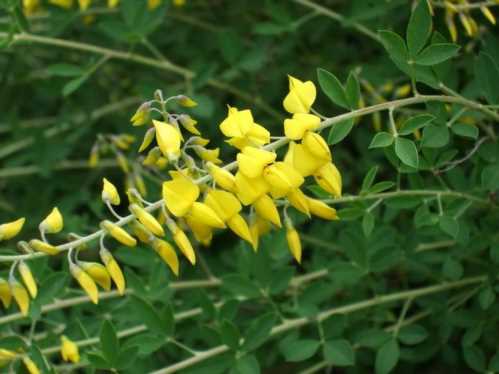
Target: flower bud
<point x="147" y="219"/>
<point x="118" y="233"/>
<point x="5" y="294"/>
<point x="299" y="201"/>
<point x="7" y="355"/>
<point x="10" y="229"/>
<point x="301" y="96"/>
<point x="186" y="101"/>
<point x="329" y="179"/>
<point x="97" y="272"/>
<point x="110" y="193"/>
<point x="141" y="116"/>
<point x="189" y="124"/>
<point x="238" y="225"/>
<point x="53" y="223"/>
<point x="316" y="145"/>
<point x="222" y="177"/>
<point x="293" y="240"/>
<point x="266" y="208"/>
<point x="182" y="242"/>
<point x="30" y="365"/>
<point x="113" y="269"/>
<point x="321" y="209"/>
<point x="202" y="232"/>
<point x="93" y="159"/>
<point x="148" y="138"/>
<point x="152" y="157"/>
<point x="20" y="296"/>
<point x="167" y="253"/>
<point x="86" y="282"/>
<point x="40" y="246"/>
<point x="296" y="127"/>
<point x="168" y="139"/>
<point x="69" y="350"/>
<point x="28" y="279"/>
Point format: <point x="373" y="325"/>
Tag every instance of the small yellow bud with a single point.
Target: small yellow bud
<point x="222" y="177"/>
<point x="122" y="162"/>
<point x="30" y="365"/>
<point x="179" y="3"/>
<point x="183" y="243"/>
<point x="329" y="178"/>
<point x="189" y="124"/>
<point x="167" y="253"/>
<point x="140" y="231"/>
<point x="148" y="138"/>
<point x="147" y="219"/>
<point x="238" y="225"/>
<point x="5" y="294"/>
<point x="488" y="14"/>
<point x="294" y="243"/>
<point x="403" y="90"/>
<point x="20" y="296"/>
<point x="69" y="350"/>
<point x="266" y="208"/>
<point x="210" y="155"/>
<point x="299" y="201"/>
<point x="93" y="159"/>
<point x="40" y="246"/>
<point x="28" y="279"/>
<point x="321" y="209"/>
<point x="98" y="273"/>
<point x="118" y="233"/>
<point x="86" y="282"/>
<point x="10" y="229"/>
<point x="113" y="269"/>
<point x="141" y="116"/>
<point x="110" y="193"/>
<point x="186" y="101"/>
<point x="152" y="157"/>
<point x="7" y="355"/>
<point x="53" y="223"/>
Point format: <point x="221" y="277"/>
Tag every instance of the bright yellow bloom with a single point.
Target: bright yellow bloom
<point x="40" y="246"/>
<point x="53" y="223"/>
<point x="5" y="294"/>
<point x="86" y="282"/>
<point x="30" y="6"/>
<point x="302" y="159"/>
<point x="329" y="179"/>
<point x="84" y="4"/>
<point x="147" y="219"/>
<point x="113" y="269"/>
<point x="203" y="233"/>
<point x="182" y="242"/>
<point x="66" y="4"/>
<point x="317" y="146"/>
<point x="69" y="350"/>
<point x="167" y="253"/>
<point x="282" y="178"/>
<point x="10" y="229"/>
<point x="248" y="190"/>
<point x="28" y="279"/>
<point x="294" y="242"/>
<point x="140" y="231"/>
<point x="222" y="177"/>
<point x="296" y="127"/>
<point x="30" y="365"/>
<point x="243" y="131"/>
<point x="98" y="273"/>
<point x="301" y="96"/>
<point x="168" y="139"/>
<point x="189" y="124"/>
<point x="251" y="161"/>
<point x="298" y="200"/>
<point x="206" y="215"/>
<point x="179" y="194"/>
<point x="321" y="209"/>
<point x="118" y="233"/>
<point x="265" y="208"/>
<point x="20" y="296"/>
<point x="153" y="4"/>
<point x="110" y="193"/>
<point x="112" y="3"/>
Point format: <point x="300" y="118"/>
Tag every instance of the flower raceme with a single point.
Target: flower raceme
<point x="199" y="194"/>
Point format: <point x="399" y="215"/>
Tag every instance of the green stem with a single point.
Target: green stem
<point x="63" y="165"/>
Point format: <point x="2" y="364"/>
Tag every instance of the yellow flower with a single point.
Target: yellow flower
<point x="40" y="246"/>
<point x="251" y="161"/>
<point x="112" y="3"/>
<point x="488" y="14"/>
<point x="179" y="194"/>
<point x="30" y="6"/>
<point x="110" y="193"/>
<point x="140" y="231"/>
<point x="84" y="4"/>
<point x="179" y="3"/>
<point x="189" y="124"/>
<point x="282" y="178"/>
<point x="118" y="233"/>
<point x="168" y="139"/>
<point x="258" y="227"/>
<point x="265" y="208"/>
<point x="227" y="206"/>
<point x="148" y="138"/>
<point x="6" y="356"/>
<point x="298" y="200"/>
<point x="153" y="4"/>
<point x="317" y="146"/>
<point x="206" y="215"/>
<point x="203" y="233"/>
<point x="30" y="365"/>
<point x="97" y="272"/>
<point x="5" y="294"/>
<point x="248" y="190"/>
<point x="210" y="155"/>
<point x="113" y="269"/>
<point x="69" y="350"/>
<point x="243" y="131"/>
<point x="329" y="179"/>
<point x="10" y="229"/>
<point x="321" y="209"/>
<point x="141" y="116"/>
<point x="20" y="296"/>
<point x="222" y="177"/>
<point x="296" y="127"/>
<point x="53" y="223"/>
<point x="86" y="282"/>
<point x="147" y="219"/>
<point x="302" y="159"/>
<point x="28" y="279"/>
<point x="301" y="96"/>
<point x="167" y="253"/>
<point x="66" y="4"/>
<point x="182" y="242"/>
<point x="294" y="242"/>
<point x="186" y="101"/>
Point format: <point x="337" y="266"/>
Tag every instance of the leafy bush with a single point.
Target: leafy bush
<point x="378" y="256"/>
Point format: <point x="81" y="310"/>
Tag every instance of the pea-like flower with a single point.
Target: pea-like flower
<point x="147" y="219"/>
<point x="301" y="96"/>
<point x="98" y="273"/>
<point x="167" y="253"/>
<point x="28" y="279"/>
<point x="169" y="139"/>
<point x="69" y="350"/>
<point x="5" y="294"/>
<point x="296" y="127"/>
<point x="251" y="161"/>
<point x="53" y="223"/>
<point x="118" y="233"/>
<point x="113" y="269"/>
<point x="10" y="229"/>
<point x="85" y="281"/>
<point x="110" y="193"/>
<point x="242" y="130"/>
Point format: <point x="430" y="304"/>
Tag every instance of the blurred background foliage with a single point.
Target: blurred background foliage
<point x="81" y="73"/>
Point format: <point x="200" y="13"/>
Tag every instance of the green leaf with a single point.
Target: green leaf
<point x="394" y="45"/>
<point x="372" y="338"/>
<point x="98" y="361"/>
<point x="464" y="130"/>
<point x="369" y="179"/>
<point x="387" y="357"/>
<point x="352" y="91"/>
<point x="486" y="297"/>
<point x="436" y="53"/>
<point x="449" y="225"/>
<point x="240" y="286"/>
<point x="332" y="87"/>
<point x="258" y="331"/>
<point x="339" y="131"/>
<point x="412" y="334"/>
<point x="452" y="269"/>
<point x="487" y="73"/>
<point x="148" y="315"/>
<point x="414" y="123"/>
<point x="381" y="139"/>
<point x="73" y="85"/>
<point x="110" y="344"/>
<point x="435" y="136"/>
<point x="381" y="186"/>
<point x="229" y="334"/>
<point x="348" y="214"/>
<point x="52" y="287"/>
<point x="419" y="28"/>
<point x="65" y="70"/>
<point x="299" y="350"/>
<point x="474" y="358"/>
<point x="406" y="151"/>
<point x="339" y="353"/>
<point x="247" y="364"/>
<point x="127" y="357"/>
<point x="368" y="223"/>
<point x="490" y="177"/>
